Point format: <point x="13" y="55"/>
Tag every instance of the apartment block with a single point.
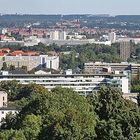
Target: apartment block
<point x="82" y="83"/>
<point x="125" y="50"/>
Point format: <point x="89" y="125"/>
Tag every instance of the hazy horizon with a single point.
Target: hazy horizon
<point x="47" y="7"/>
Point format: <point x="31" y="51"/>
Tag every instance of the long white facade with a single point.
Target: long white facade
<point x="84" y="84"/>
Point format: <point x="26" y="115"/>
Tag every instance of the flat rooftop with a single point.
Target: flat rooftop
<point x="62" y="75"/>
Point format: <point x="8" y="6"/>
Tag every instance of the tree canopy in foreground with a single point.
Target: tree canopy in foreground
<point x="61" y="114"/>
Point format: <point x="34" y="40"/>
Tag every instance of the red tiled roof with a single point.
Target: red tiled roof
<point x="4" y="49"/>
<point x="17" y="52"/>
<point x="3" y="54"/>
<point x="30" y="53"/>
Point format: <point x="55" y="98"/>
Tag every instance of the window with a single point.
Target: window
<point x="2" y="112"/>
<point x="3" y="98"/>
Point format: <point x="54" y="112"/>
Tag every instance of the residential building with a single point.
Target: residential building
<point x="54" y="35"/>
<point x="82" y="83"/>
<point x="112" y="37"/>
<point x="62" y="35"/>
<point x="125" y="50"/>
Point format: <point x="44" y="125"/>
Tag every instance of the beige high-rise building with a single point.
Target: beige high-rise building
<point x="125" y="49"/>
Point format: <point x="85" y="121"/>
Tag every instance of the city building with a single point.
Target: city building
<point x="112" y="37"/>
<point x="70" y="42"/>
<point x="62" y="35"/>
<point x="30" y="60"/>
<point x="54" y="35"/>
<point x="3" y="31"/>
<point x="97" y="67"/>
<point x="12" y="43"/>
<point x="82" y="83"/>
<point x="125" y="50"/>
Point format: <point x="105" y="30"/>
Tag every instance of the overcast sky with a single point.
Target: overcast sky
<point x="113" y="7"/>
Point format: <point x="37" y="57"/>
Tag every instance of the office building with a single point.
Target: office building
<point x="97" y="67"/>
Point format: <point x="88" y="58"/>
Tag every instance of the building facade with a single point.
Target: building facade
<point x="91" y="68"/>
<point x="82" y="83"/>
<point x="125" y="50"/>
<point x="31" y="62"/>
<point x="3" y="99"/>
<point x="112" y="37"/>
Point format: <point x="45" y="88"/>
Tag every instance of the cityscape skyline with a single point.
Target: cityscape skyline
<point x="70" y="7"/>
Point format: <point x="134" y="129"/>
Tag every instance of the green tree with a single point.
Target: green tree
<point x="65" y="115"/>
<point x="12" y="67"/>
<point x="118" y="118"/>
<point x="31" y="126"/>
<point x="12" y="135"/>
<point x="24" y="68"/>
<point x="9" y="121"/>
<point x="12" y="88"/>
<point x="4" y="67"/>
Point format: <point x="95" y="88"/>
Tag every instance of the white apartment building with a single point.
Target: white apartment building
<point x="82" y="83"/>
<point x="112" y="37"/>
<point x="62" y="35"/>
<point x="58" y="35"/>
<point x="54" y="35"/>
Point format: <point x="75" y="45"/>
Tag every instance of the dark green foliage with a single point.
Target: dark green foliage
<point x="12" y="88"/>
<point x="12" y="135"/>
<point x="89" y="52"/>
<point x="9" y="121"/>
<point x="4" y="67"/>
<point x="79" y="53"/>
<point x="61" y="114"/>
<point x="118" y="118"/>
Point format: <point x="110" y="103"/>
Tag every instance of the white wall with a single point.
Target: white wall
<point x="125" y="85"/>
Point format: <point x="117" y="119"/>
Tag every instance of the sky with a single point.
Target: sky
<point x="112" y="7"/>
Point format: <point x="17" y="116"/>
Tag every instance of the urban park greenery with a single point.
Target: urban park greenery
<point x="62" y="114"/>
